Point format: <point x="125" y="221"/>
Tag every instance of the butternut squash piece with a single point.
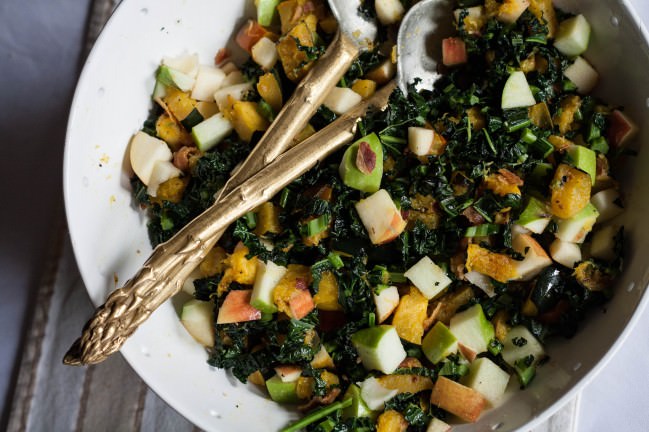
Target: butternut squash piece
<point x="296" y="279"/>
<point x="246" y="119"/>
<point x="296" y="62"/>
<point x="406" y="383"/>
<point x="566" y="115"/>
<point x="544" y="11"/>
<point x="214" y="262"/>
<point x="570" y="191"/>
<point x="269" y="90"/>
<point x="238" y="269"/>
<point x="364" y="87"/>
<point x="179" y="103"/>
<point x="268" y="219"/>
<point x="172" y="190"/>
<point x="410" y="315"/>
<point x="327" y="296"/>
<point x="391" y="421"/>
<point x="171" y="132"/>
<point x="497" y="266"/>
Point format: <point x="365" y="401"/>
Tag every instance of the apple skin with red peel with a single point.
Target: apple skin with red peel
<point x="454" y="51"/>
<point x="380" y="217"/>
<point x="237" y="308"/>
<point x="620" y="128"/>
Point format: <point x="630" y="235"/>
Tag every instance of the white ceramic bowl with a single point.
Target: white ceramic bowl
<point x="110" y="239"/>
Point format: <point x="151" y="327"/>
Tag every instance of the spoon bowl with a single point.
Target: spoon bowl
<point x="419" y="43"/>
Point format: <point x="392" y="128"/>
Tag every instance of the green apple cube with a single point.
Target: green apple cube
<point x="266" y="11"/>
<point x="375" y="395"/>
<point x="266" y="279"/>
<point x="517" y="92"/>
<point x="575" y="229"/>
<point x="572" y="36"/>
<point x="438" y="343"/>
<point x="607" y="203"/>
<point x="472" y="329"/>
<point x="584" y="159"/>
<point x="282" y="392"/>
<point x="352" y="176"/>
<point x="379" y="348"/>
<point x="211" y="131"/>
<point x="172" y="77"/>
<point x="519" y="344"/>
<point x="436" y="425"/>
<point x="198" y="319"/>
<point x="535" y="217"/>
<point x="358" y="408"/>
<point x="428" y="277"/>
<point x="487" y="378"/>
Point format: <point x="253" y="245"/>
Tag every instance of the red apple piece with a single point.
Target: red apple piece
<point x="620" y="128"/>
<point x="301" y="303"/>
<point x="236" y="308"/>
<point x="457" y="399"/>
<point x="250" y="34"/>
<point x="453" y="51"/>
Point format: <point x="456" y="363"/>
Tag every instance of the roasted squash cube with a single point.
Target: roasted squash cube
<point x="391" y="421"/>
<point x="171" y="132"/>
<point x="292" y="285"/>
<point x="296" y="61"/>
<point x="238" y="269"/>
<point x="327" y="296"/>
<point x="270" y="91"/>
<point x="410" y="315"/>
<point x="570" y="191"/>
<point x="497" y="266"/>
<point x="246" y="119"/>
<point x="268" y="219"/>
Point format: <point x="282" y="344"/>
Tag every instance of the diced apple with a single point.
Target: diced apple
<point x="565" y="253"/>
<point x="380" y="217"/>
<point x="264" y="53"/>
<point x="481" y="281"/>
<point x="162" y="171"/>
<point x="424" y="141"/>
<point x="517" y="92"/>
<point x="575" y="229"/>
<point x="282" y="392"/>
<point x="472" y="329"/>
<point x="168" y="76"/>
<point x="608" y="204"/>
<point x="603" y="244"/>
<point x="582" y="75"/>
<point x="584" y="159"/>
<point x="511" y="10"/>
<point x="454" y="51"/>
<point x="383" y="73"/>
<point x="386" y="302"/>
<point x="226" y="95"/>
<point x="288" y="373"/>
<point x="188" y="285"/>
<point x="249" y="34"/>
<point x="234" y="78"/>
<point x="228" y="68"/>
<point x="358" y="408"/>
<point x="438" y="343"/>
<point x="145" y="152"/>
<point x="236" y="308"/>
<point x="198" y="317"/>
<point x="267" y="277"/>
<point x="208" y="81"/>
<point x="375" y="395"/>
<point x="342" y="99"/>
<point x="211" y="131"/>
<point x="487" y="378"/>
<point x="535" y="258"/>
<point x="573" y="36"/>
<point x="301" y="304"/>
<point x="379" y="348"/>
<point x="457" y="399"/>
<point x="389" y="11"/>
<point x="428" y="277"/>
<point x="184" y="63"/>
<point x="436" y="425"/>
<point x="535" y="217"/>
<point x="620" y="128"/>
<point x="520" y="343"/>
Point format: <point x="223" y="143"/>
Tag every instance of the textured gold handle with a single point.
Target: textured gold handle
<point x="162" y="275"/>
